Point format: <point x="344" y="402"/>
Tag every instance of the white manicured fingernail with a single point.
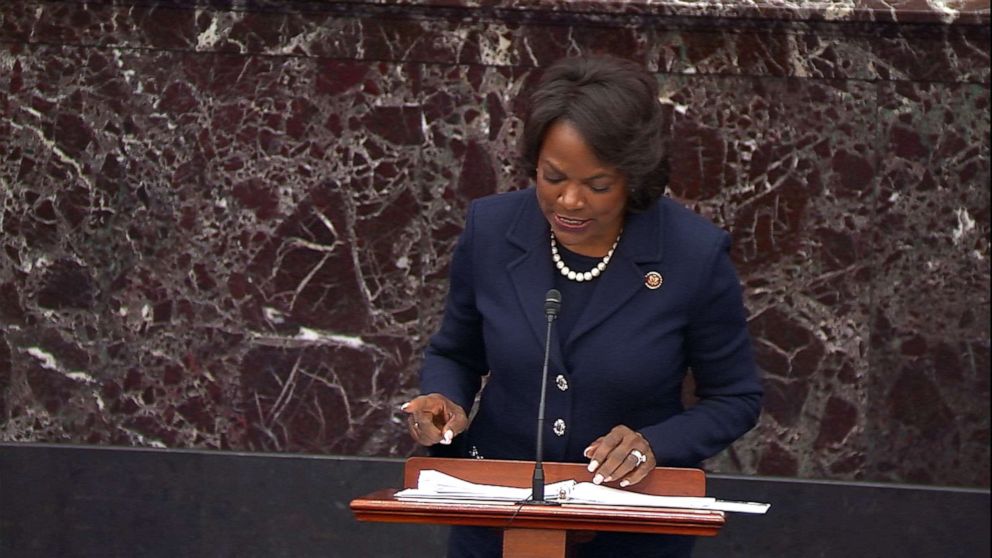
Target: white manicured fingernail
<point x="593" y="465"/>
<point x="448" y="435"/>
<point x="404" y="406"/>
<point x="586" y="452"/>
<point x="624" y="483"/>
<point x="598" y="479"/>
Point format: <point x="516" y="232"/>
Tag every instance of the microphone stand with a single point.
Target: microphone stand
<point x="537" y="483"/>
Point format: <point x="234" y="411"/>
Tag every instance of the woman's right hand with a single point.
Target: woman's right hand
<point x="433" y="419"/>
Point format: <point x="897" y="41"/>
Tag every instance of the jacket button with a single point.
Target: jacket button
<point x="561" y="382"/>
<point x="559" y="427"/>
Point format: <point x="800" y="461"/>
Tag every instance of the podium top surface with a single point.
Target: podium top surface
<point x="383" y="506"/>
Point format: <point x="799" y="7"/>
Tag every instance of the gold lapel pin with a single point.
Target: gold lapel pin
<point x="653" y="280"/>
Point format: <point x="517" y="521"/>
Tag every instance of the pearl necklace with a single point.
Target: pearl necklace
<point x="579" y="275"/>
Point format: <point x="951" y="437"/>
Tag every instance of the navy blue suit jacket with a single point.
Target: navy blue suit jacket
<point x="630" y="347"/>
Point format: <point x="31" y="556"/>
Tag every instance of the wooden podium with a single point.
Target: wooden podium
<point x="535" y="531"/>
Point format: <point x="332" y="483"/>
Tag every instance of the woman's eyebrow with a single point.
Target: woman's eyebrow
<point x="598" y="176"/>
<point x="603" y="174"/>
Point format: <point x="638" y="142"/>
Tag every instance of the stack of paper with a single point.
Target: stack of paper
<point x="437" y="486"/>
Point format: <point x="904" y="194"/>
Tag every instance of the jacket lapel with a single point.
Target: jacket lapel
<point x="531" y="273"/>
<point x="640" y="243"/>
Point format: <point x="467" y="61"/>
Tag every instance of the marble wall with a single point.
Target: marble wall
<point x="227" y="224"/>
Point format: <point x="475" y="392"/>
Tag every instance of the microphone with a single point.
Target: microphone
<point x="552" y="305"/>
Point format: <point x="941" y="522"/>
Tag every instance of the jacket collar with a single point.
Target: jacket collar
<point x="532" y="273"/>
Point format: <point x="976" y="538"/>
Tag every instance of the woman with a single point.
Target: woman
<point x="648" y="290"/>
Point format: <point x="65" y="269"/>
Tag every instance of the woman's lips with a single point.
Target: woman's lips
<point x="570" y="223"/>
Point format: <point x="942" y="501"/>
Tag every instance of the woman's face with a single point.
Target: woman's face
<point x="582" y="198"/>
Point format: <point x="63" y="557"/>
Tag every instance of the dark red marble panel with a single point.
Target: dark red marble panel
<point x="230" y="228"/>
<point x="835" y="42"/>
<point x="275" y="231"/>
<point x="875" y="11"/>
<point x="755" y="155"/>
<point x="929" y="350"/>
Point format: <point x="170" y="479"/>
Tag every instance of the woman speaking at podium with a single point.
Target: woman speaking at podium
<point x="648" y="291"/>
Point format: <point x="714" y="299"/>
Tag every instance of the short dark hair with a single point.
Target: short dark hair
<point x="613" y="103"/>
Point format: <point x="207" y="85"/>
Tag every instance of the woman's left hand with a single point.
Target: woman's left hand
<point x="621" y="455"/>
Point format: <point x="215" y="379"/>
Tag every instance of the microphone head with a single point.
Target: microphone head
<point x="552" y="303"/>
